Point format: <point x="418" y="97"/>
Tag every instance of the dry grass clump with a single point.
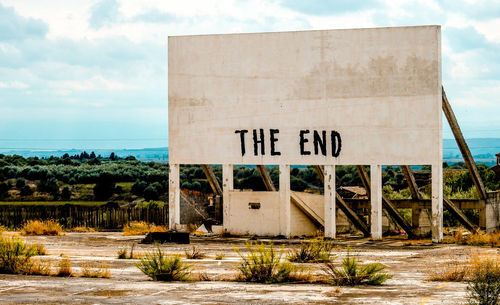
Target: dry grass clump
<point x="37" y="227"/>
<point x="318" y="250"/>
<point x="39" y="249"/>
<point x="64" y="268"/>
<point x="463" y="237"/>
<point x="352" y="273"/>
<point x="462" y="270"/>
<point x="124" y="254"/>
<point x="161" y="267"/>
<point x="219" y="256"/>
<point x="262" y="264"/>
<point x="81" y="229"/>
<point x="194" y="253"/>
<point x="40" y="268"/>
<point x="454" y="271"/>
<point x="141" y="227"/>
<point x="484" y="284"/>
<point x="15" y="255"/>
<point x="95" y="270"/>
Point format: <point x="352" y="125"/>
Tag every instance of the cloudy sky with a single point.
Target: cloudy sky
<point x="94" y="72"/>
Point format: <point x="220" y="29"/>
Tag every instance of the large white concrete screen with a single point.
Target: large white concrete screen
<point x="363" y="96"/>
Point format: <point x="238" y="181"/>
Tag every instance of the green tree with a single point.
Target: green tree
<point x="66" y="193"/>
<point x="104" y="187"/>
<point x="26" y="191"/>
<point x="20" y="182"/>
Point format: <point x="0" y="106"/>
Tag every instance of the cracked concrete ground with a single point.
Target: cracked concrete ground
<point x="410" y="264"/>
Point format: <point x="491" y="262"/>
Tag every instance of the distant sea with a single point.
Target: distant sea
<point x="482" y="149"/>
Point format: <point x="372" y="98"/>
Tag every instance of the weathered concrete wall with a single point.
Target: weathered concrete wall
<point x="263" y="221"/>
<point x="492" y="211"/>
<point x="379" y="88"/>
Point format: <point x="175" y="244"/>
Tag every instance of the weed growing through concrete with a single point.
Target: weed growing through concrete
<point x="454" y="271"/>
<point x="262" y="264"/>
<point x="161" y="267"/>
<point x="463" y="237"/>
<point x="64" y="268"/>
<point x="122" y="253"/>
<point x="315" y="251"/>
<point x="95" y="270"/>
<point x="484" y="285"/>
<point x="81" y="229"/>
<point x="15" y="255"/>
<point x="40" y="268"/>
<point x="37" y="227"/>
<point x="352" y="273"/>
<point x="194" y="253"/>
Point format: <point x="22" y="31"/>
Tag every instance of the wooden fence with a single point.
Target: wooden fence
<point x="70" y="216"/>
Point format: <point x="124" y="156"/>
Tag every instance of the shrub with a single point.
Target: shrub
<point x="153" y="204"/>
<point x="40" y="268"/>
<point x="95" y="270"/>
<point x="484" y="286"/>
<point x="15" y="255"/>
<point x="122" y="253"/>
<point x="352" y="273"/>
<point x="64" y="267"/>
<point x="39" y="249"/>
<point x="20" y="183"/>
<point x="151" y="193"/>
<point x="194" y="253"/>
<point x="161" y="267"/>
<point x="315" y="251"/>
<point x="141" y="227"/>
<point x="36" y="227"/>
<point x="26" y="191"/>
<point x="263" y="265"/>
<point x="66" y="193"/>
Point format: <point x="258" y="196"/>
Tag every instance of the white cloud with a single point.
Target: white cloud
<point x="13" y="85"/>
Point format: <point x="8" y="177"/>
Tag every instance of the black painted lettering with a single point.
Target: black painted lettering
<point x="336" y="143"/>
<point x="272" y="133"/>
<point x="303" y="140"/>
<point x="320" y="142"/>
<point x="257" y="142"/>
<point x="242" y="139"/>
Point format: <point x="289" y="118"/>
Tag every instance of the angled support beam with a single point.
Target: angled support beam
<point x="352" y="216"/>
<point x="212" y="180"/>
<point x="388" y="206"/>
<point x="266" y="178"/>
<point x="304" y="207"/>
<point x="464" y="148"/>
<point x="451" y="207"/>
<point x="412" y="184"/>
<point x="349" y="213"/>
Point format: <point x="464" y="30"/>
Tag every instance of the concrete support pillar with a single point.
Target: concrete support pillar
<point x="285" y="225"/>
<point x="437" y="202"/>
<point x="376" y="201"/>
<point x="174" y="197"/>
<point x="227" y="186"/>
<point x="330" y="210"/>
